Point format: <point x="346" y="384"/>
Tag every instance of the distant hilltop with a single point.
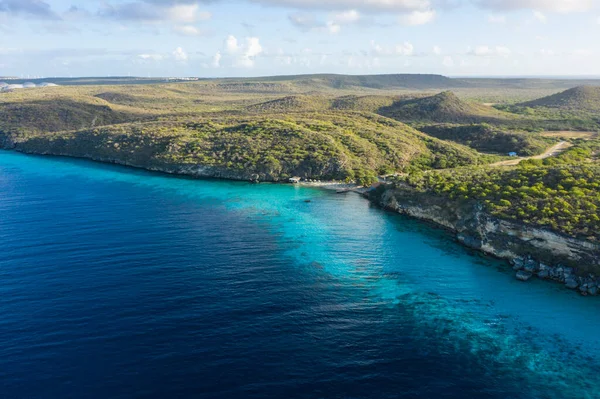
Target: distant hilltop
<point x="303" y="82"/>
<point x="582" y="98"/>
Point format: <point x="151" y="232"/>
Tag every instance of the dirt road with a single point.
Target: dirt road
<point x="550" y="152"/>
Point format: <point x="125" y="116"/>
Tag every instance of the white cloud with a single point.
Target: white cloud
<point x="187" y="13"/>
<point x="480" y="51"/>
<point x="540" y="16"/>
<point x="406" y="49"/>
<point x="562" y="6"/>
<point x="216" y="61"/>
<point x="157" y="12"/>
<point x="153" y="57"/>
<point x="188" y="30"/>
<point x="180" y="55"/>
<point x="437" y="50"/>
<point x="367" y="5"/>
<point x="448" y="62"/>
<point x="309" y="22"/>
<point x="253" y="47"/>
<point x="418" y="18"/>
<point x="231" y="44"/>
<point x="496" y="19"/>
<point x="347" y="17"/>
<point x="486" y="51"/>
<point x="243" y="54"/>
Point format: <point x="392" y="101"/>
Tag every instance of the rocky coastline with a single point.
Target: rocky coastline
<point x="532" y="252"/>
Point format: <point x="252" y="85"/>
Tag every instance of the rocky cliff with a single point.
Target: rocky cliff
<point x="532" y="251"/>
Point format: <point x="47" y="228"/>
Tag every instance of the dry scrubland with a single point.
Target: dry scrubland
<point x="351" y="128"/>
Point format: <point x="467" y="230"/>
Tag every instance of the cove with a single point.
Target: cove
<point x="116" y="282"/>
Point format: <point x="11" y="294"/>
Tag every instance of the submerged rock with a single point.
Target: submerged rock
<point x="523" y="275"/>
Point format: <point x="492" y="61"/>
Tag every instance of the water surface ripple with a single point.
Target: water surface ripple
<point x="125" y="284"/>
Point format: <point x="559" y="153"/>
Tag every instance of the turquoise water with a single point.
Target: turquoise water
<point x="122" y="283"/>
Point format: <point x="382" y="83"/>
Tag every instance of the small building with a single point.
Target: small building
<point x="512" y="154"/>
<point x="295" y="180"/>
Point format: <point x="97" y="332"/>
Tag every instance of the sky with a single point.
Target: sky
<point x="220" y="38"/>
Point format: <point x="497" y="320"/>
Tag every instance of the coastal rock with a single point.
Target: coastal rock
<point x="470" y="241"/>
<point x="571" y="283"/>
<point x="593" y="290"/>
<point x="544" y="274"/>
<point x="530" y="266"/>
<point x="523" y="275"/>
<point x="518" y="263"/>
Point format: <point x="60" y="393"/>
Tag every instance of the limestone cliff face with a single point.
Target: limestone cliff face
<point x="501" y="238"/>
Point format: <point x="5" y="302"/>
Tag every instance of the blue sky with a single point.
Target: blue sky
<point x="275" y="37"/>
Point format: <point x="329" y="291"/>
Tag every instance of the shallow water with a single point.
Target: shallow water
<point x="121" y="283"/>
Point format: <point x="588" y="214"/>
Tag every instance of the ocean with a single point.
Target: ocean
<point x="121" y="283"/>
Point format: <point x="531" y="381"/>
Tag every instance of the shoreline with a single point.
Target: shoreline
<point x="531" y="251"/>
<point x="525" y="265"/>
<point x="187" y="171"/>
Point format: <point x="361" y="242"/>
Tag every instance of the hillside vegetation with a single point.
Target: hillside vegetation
<point x="444" y="107"/>
<point x="56" y="114"/>
<point x="297" y="103"/>
<point x="560" y="193"/>
<point x="325" y="146"/>
<point x="397" y="81"/>
<point x="579" y="99"/>
<point x="314" y="126"/>
<point x="487" y="138"/>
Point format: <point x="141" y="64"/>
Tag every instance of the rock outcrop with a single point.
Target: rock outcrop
<point x="532" y="251"/>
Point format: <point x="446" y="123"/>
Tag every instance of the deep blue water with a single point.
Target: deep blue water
<point x="116" y="283"/>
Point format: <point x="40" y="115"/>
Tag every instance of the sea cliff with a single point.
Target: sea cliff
<point x="532" y="251"/>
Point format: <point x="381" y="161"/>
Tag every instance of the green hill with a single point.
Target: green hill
<point x="116" y="97"/>
<point x="328" y="145"/>
<point x="444" y="107"/>
<point x="58" y="114"/>
<point x="369" y="103"/>
<point x="487" y="138"/>
<point x="297" y="103"/>
<point x="582" y="98"/>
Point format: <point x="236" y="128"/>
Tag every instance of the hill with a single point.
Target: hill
<point x="444" y="107"/>
<point x="330" y="145"/>
<point x="58" y="114"/>
<point x="297" y="103"/>
<point x="392" y="81"/>
<point x="369" y="103"/>
<point x="487" y="138"/>
<point x="581" y="98"/>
